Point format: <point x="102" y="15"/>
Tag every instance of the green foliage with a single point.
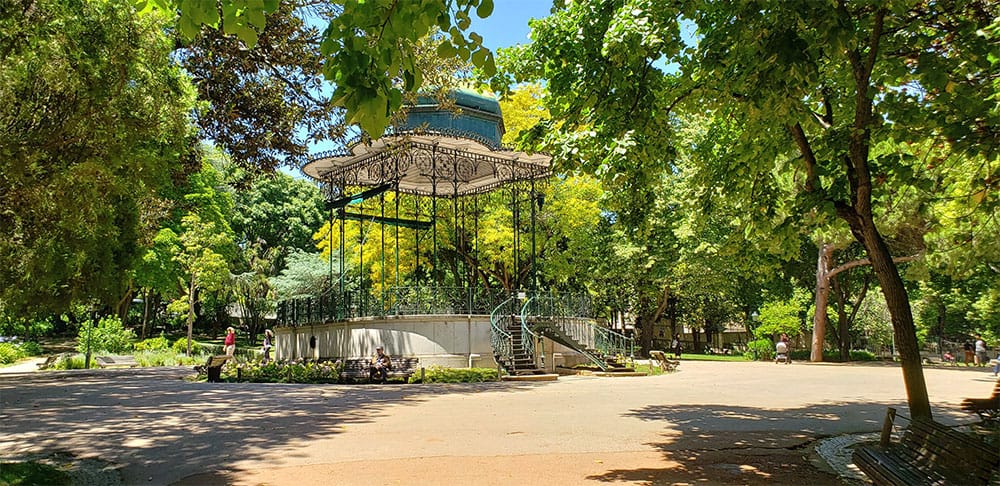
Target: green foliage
<point x="305" y="273"/>
<point x="72" y="362"/>
<point x="96" y="127"/>
<point x="11" y="352"/>
<point x="862" y="355"/>
<point x="166" y="357"/>
<point x="153" y="344"/>
<point x="833" y="355"/>
<point x="32" y="473"/>
<point x="760" y="349"/>
<point x="24" y="327"/>
<point x="439" y="374"/>
<point x="279" y="212"/>
<point x="242" y="18"/>
<point x="778" y="318"/>
<point x="372" y="43"/>
<point x="280" y="372"/>
<point x="648" y="369"/>
<point x="31" y="348"/>
<point x="180" y="346"/>
<point x="108" y="336"/>
<point x="367" y="46"/>
<point x="264" y="106"/>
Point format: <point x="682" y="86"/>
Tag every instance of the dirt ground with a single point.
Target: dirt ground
<point x="709" y="423"/>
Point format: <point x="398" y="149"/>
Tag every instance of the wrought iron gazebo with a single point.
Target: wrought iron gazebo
<point x="438" y="156"/>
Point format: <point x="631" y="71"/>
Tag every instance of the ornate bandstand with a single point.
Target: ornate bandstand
<point x="419" y="190"/>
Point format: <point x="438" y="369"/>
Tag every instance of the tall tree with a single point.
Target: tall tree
<point x="264" y="105"/>
<point x="830" y="79"/>
<point x="277" y="212"/>
<point x="202" y="246"/>
<point x="94" y="128"/>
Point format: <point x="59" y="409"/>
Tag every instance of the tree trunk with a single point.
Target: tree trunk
<point x="822" y="298"/>
<point x="145" y="313"/>
<point x="941" y="317"/>
<point x="903" y="329"/>
<point x="843" y="334"/>
<point x="123" y="304"/>
<point x="190" y="318"/>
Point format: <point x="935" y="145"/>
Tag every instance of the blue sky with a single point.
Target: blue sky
<point x="508" y="25"/>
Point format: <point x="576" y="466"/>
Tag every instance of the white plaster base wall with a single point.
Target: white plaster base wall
<point x="445" y="340"/>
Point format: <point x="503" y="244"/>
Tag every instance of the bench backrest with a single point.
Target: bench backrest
<point x="657" y="355"/>
<point x="955" y="454"/>
<point x="216" y="361"/>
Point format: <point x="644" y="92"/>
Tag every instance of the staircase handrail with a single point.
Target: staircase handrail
<point x="611" y="342"/>
<point x="501" y="340"/>
<point x="528" y="335"/>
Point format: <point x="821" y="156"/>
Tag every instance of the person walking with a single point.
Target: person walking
<point x="676" y="346"/>
<point x="970" y="355"/>
<point x="981" y="357"/>
<point x="230" y="342"/>
<point x="266" y="347"/>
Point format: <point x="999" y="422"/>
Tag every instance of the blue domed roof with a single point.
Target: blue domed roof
<point x="479" y="116"/>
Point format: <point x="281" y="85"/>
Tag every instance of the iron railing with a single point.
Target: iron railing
<point x="500" y="339"/>
<point x="559" y="308"/>
<point x="613" y="343"/>
<point x="334" y="306"/>
<point x="528" y="337"/>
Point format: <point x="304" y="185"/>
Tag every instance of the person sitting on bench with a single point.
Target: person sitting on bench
<point x="379" y="366"/>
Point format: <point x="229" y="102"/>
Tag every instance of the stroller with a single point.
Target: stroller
<point x="781" y="353"/>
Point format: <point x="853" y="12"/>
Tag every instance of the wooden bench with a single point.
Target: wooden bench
<point x="988" y="409"/>
<point x="356" y="369"/>
<point x="213" y="367"/>
<point x="928" y="453"/>
<point x="663" y="362"/>
<point x="116" y="361"/>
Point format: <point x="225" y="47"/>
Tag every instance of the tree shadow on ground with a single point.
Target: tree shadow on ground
<point x="151" y="419"/>
<point x="727" y="444"/>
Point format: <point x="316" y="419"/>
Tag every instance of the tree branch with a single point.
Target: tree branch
<point x="812" y="175"/>
<point x="858" y="263"/>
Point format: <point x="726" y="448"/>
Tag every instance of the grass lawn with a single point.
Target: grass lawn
<point x="710" y="357"/>
<point x="31" y="473"/>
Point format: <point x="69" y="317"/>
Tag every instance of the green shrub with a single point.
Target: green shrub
<point x="153" y="344"/>
<point x="31" y="348"/>
<point x="440" y="374"/>
<point x="108" y="336"/>
<point x="9" y="353"/>
<point x="181" y="346"/>
<point x="166" y="357"/>
<point x="73" y="362"/>
<point x="833" y="355"/>
<point x="25" y="328"/>
<point x="761" y="349"/>
<point x="280" y="372"/>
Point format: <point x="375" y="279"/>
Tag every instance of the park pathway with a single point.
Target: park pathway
<point x="711" y="422"/>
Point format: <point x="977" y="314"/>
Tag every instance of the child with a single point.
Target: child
<point x="948" y="358"/>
